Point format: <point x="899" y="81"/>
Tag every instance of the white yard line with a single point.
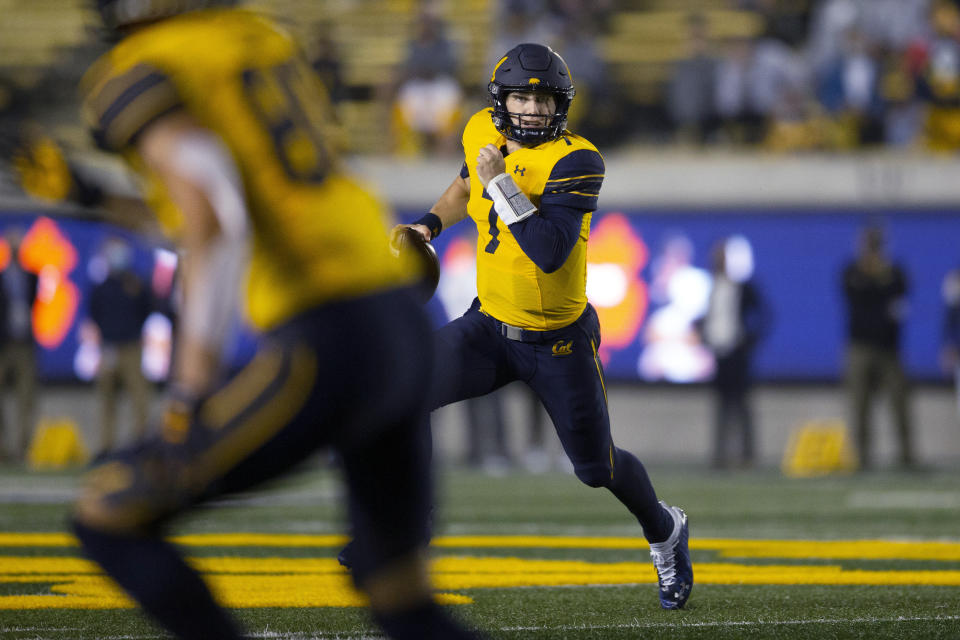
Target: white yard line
<point x="270" y="635"/>
<point x="732" y="623"/>
<point x="871" y="500"/>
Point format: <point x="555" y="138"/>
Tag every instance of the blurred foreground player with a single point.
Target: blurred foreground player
<point x="216" y="110"/>
<point x="531" y="187"/>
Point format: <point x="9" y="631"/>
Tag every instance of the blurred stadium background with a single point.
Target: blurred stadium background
<point x="785" y="124"/>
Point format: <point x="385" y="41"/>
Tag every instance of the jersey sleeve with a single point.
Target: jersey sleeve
<point x="575" y="181"/>
<point x="464" y="171"/>
<point x="120" y="107"/>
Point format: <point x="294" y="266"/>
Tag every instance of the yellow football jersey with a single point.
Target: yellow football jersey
<point x="317" y="234"/>
<point x="567" y="171"/>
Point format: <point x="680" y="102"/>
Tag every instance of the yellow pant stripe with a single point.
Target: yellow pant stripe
<point x="226" y="404"/>
<point x="266" y="422"/>
<point x="596" y="361"/>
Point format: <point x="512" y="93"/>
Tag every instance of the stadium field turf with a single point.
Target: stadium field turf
<point x="523" y="556"/>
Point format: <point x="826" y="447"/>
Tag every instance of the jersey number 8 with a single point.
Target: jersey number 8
<point x="292" y="111"/>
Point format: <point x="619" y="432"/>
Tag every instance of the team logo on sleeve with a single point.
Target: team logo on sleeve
<point x="562" y="348"/>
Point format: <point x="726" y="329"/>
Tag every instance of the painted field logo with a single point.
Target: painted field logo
<point x="64" y="582"/>
<point x="562" y="348"/>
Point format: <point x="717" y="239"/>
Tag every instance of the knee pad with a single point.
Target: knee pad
<point x="593" y="474"/>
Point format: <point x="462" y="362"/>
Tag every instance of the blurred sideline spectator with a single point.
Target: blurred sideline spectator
<point x="519" y="21"/>
<point x="119" y="306"/>
<point x="950" y="355"/>
<point x="939" y="82"/>
<point x="679" y="292"/>
<point x="735" y="321"/>
<point x="741" y="120"/>
<point x="875" y="289"/>
<point x="819" y="75"/>
<point x="536" y="458"/>
<point x="782" y="92"/>
<point x="784" y="20"/>
<point x="428" y="100"/>
<point x="848" y="87"/>
<point x="573" y="27"/>
<point x="691" y="91"/>
<point x="487" y="434"/>
<point x="18" y="292"/>
<point x="596" y="111"/>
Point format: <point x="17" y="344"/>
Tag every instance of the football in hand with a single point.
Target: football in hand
<point x="407" y="241"/>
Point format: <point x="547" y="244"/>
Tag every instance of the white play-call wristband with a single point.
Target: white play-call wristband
<point x="511" y="204"/>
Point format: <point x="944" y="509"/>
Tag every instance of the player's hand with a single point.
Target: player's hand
<point x="490" y="164"/>
<point x="180" y="406"/>
<point x="422" y="229"/>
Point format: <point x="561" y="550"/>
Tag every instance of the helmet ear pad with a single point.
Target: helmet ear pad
<point x="531" y="67"/>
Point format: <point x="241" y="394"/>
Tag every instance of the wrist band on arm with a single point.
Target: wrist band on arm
<point x="511" y="204"/>
<point x="431" y="221"/>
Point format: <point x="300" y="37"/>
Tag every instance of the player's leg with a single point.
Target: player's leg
<point x="721" y="427"/>
<point x="386" y="461"/>
<point x="107" y="393"/>
<point x="573" y="391"/>
<point x="858" y="383"/>
<point x="469" y="359"/>
<point x="898" y="388"/>
<point x="390" y="499"/>
<point x="256" y="426"/>
<point x="154" y="573"/>
<point x="137" y="386"/>
<point x="467" y="363"/>
<point x="26" y="364"/>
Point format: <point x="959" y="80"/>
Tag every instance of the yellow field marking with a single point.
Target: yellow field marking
<point x="37" y="540"/>
<point x="726" y="548"/>
<point x="260" y="540"/>
<point x="833" y="549"/>
<point x="321" y="582"/>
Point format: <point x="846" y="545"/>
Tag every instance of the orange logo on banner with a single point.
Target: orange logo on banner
<point x="616" y="256"/>
<point x="47" y="252"/>
<point x="4" y="254"/>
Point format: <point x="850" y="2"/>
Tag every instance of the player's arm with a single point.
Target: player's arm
<point x="450" y="209"/>
<point x="202" y="179"/>
<point x="546" y="234"/>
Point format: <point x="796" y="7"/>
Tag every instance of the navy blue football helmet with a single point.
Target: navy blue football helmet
<point x="117" y="14"/>
<point x="531" y="67"/>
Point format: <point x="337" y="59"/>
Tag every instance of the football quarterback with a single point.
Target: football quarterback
<point x="531" y="186"/>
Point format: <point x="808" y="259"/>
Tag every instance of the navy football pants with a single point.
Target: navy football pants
<point x="347" y="375"/>
<point x="564" y="370"/>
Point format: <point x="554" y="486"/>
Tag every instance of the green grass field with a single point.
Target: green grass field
<point x="864" y="556"/>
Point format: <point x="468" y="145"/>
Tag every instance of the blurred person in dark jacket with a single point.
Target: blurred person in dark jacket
<point x="875" y="289"/>
<point x="950" y="355"/>
<point x="119" y="305"/>
<point x="735" y="320"/>
<point x="18" y="292"/>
